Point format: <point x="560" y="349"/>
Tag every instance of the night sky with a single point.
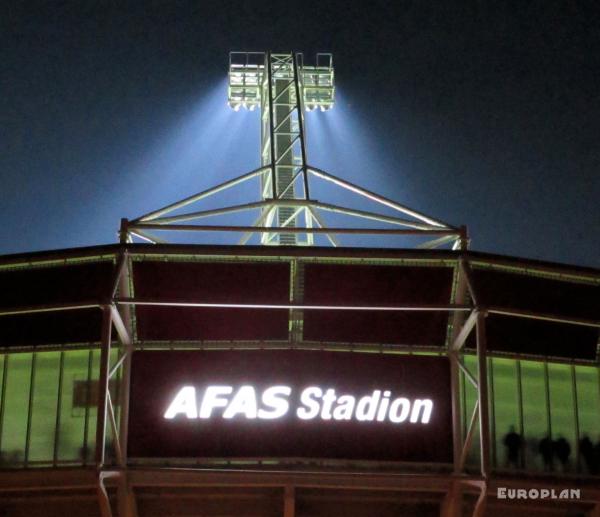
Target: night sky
<point x="477" y="113"/>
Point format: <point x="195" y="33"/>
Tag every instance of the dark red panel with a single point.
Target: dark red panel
<point x="377" y="285"/>
<point x="157" y="376"/>
<point x="536" y="337"/>
<point x="213" y="282"/>
<point x="186" y="323"/>
<point x="51" y="328"/>
<point x="400" y="328"/>
<point x="543" y="295"/>
<point x="57" y="284"/>
<point x="368" y="284"/>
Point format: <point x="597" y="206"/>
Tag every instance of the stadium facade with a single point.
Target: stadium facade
<point x="296" y="379"/>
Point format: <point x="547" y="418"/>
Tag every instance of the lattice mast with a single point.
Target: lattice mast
<point x="283" y="88"/>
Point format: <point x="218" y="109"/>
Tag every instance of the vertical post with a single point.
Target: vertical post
<point x="464" y="238"/>
<point x="452" y="503"/>
<point x="289" y="501"/>
<point x="521" y="418"/>
<point x="61" y="374"/>
<point x="300" y="108"/>
<point x="271" y="125"/>
<point x="30" y="407"/>
<point x="125" y="496"/>
<point x="3" y="395"/>
<point x="266" y="157"/>
<point x="125" y="312"/>
<point x="458" y="320"/>
<point x="463" y="404"/>
<point x="576" y="415"/>
<point x="103" y="499"/>
<point x="548" y="402"/>
<point x="484" y="418"/>
<point x="492" y="402"/>
<point x="88" y="396"/>
<point x="456" y="423"/>
<point x="103" y="385"/>
<point x="124" y="231"/>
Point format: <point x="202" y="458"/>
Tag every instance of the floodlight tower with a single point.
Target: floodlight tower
<point x="283" y="87"/>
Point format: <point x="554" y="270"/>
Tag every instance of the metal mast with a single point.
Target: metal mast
<point x="283" y="88"/>
<point x="282" y="142"/>
<point x="281" y="85"/>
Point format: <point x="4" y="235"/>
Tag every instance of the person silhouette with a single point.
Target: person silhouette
<point x="586" y="449"/>
<point x="513" y="443"/>
<point x="563" y="451"/>
<point x="546" y="449"/>
<point x="596" y="458"/>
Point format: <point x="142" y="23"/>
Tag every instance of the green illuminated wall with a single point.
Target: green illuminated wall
<point x="539" y="399"/>
<point x="48" y="407"/>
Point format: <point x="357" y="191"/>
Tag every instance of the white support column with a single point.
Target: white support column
<point x="484" y="423"/>
<point x="102" y="409"/>
<point x="103" y="385"/>
<point x="458" y="321"/>
<point x="125" y="495"/>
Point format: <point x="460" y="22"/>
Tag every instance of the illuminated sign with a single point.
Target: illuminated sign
<point x="290" y="404"/>
<point x="314" y="403"/>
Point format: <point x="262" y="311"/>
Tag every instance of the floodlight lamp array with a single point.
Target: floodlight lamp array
<point x="247" y="79"/>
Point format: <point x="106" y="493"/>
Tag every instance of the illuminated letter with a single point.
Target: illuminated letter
<point x="394" y="416"/>
<point x="184" y="402"/>
<point x="385" y="402"/>
<point x="307" y="400"/>
<point x="243" y="402"/>
<point x="367" y="406"/>
<point x="328" y="400"/>
<point x="212" y="400"/>
<point x="427" y="406"/>
<point x="345" y="408"/>
<point x="273" y="397"/>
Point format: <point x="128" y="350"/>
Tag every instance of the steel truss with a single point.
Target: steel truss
<point x="286" y="214"/>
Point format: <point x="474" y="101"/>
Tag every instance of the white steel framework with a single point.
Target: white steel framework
<point x="283" y="87"/>
<point x="117" y="471"/>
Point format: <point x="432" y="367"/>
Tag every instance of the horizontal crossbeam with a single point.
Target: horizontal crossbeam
<point x="263" y="229"/>
<point x="287" y="306"/>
